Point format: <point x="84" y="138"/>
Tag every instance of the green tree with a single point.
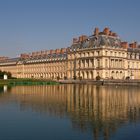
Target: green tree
<point x="4" y="72"/>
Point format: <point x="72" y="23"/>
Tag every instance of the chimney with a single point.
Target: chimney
<point x="96" y="31"/>
<point x="33" y="54"/>
<point x="75" y="40"/>
<point x="57" y="51"/>
<point x="63" y="50"/>
<point x="114" y="34"/>
<point x="124" y="45"/>
<point x="24" y="55"/>
<point x="110" y="33"/>
<point x="46" y="52"/>
<point x="37" y="53"/>
<point x="51" y="51"/>
<point x="84" y="37"/>
<point x="133" y="45"/>
<point x="80" y="38"/>
<point x="2" y="58"/>
<point x="106" y="31"/>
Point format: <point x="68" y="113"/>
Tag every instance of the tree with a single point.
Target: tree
<point x="58" y="78"/>
<point x="2" y="73"/>
<point x="98" y="78"/>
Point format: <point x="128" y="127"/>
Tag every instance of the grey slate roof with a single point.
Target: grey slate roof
<point x="97" y="41"/>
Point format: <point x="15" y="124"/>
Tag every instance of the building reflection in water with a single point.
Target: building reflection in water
<point x="101" y="110"/>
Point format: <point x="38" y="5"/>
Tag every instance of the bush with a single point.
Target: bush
<point x="4" y="72"/>
<point x="98" y="78"/>
<point x="80" y="78"/>
<point x="112" y="77"/>
<point x="58" y="78"/>
<point x="74" y="77"/>
<point x="127" y="78"/>
<point x="13" y="78"/>
<point x="65" y="77"/>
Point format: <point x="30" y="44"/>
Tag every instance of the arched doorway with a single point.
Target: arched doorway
<point x="112" y="75"/>
<point x="85" y="75"/>
<point x="88" y="75"/>
<point x="121" y="75"/>
<point x="82" y="75"/>
<point x="91" y="73"/>
<point x="117" y="75"/>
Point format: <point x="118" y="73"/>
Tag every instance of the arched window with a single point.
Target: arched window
<point x="98" y="63"/>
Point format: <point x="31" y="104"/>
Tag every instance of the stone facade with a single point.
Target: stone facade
<point x="102" y="54"/>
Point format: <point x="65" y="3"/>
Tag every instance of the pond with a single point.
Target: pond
<point x="69" y="112"/>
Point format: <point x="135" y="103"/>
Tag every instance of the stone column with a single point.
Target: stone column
<point x="113" y="63"/>
<point x="90" y="63"/>
<point x="79" y="63"/>
<point x="85" y="63"/>
<point x="120" y="63"/>
<point x="95" y="65"/>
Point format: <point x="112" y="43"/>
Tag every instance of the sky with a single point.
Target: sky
<point x="34" y="25"/>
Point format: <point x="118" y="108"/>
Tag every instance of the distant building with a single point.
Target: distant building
<point x="102" y="54"/>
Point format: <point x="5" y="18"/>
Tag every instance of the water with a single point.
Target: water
<point x="69" y="112"/>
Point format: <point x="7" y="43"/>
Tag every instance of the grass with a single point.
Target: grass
<point x="27" y="82"/>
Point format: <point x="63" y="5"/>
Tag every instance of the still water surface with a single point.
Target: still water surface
<point x="69" y="112"/>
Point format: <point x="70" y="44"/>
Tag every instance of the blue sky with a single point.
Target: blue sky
<point x="32" y="25"/>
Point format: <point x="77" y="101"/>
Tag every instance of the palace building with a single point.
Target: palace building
<point x="102" y="54"/>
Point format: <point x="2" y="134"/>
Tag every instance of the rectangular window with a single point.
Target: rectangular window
<point x="98" y="53"/>
<point x="106" y="53"/>
<point x="106" y="63"/>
